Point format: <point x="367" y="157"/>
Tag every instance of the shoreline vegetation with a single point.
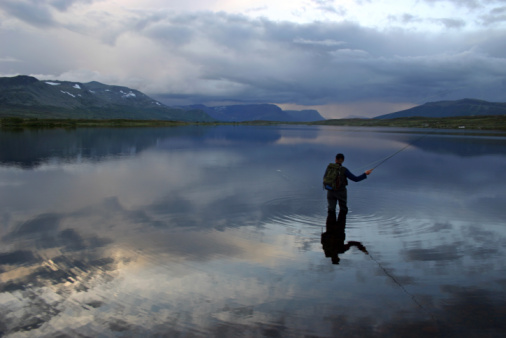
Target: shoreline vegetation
<point x="495" y="122"/>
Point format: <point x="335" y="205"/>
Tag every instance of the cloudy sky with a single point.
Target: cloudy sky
<point x="342" y="57"/>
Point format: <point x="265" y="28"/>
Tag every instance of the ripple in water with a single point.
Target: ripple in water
<point x="294" y="212"/>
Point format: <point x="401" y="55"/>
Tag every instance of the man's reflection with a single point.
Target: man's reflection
<point x="333" y="238"/>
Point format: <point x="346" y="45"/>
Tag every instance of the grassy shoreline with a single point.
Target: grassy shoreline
<point x="493" y="122"/>
<point x="496" y="122"/>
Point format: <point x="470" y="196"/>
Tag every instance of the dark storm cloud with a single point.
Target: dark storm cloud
<point x="63" y="5"/>
<point x="327" y="6"/>
<point x="205" y="56"/>
<point x="471" y="4"/>
<point x="494" y="16"/>
<point x="406" y="19"/>
<point x="331" y="62"/>
<point x="450" y="23"/>
<point x="37" y="12"/>
<point x="33" y="12"/>
<point x="496" y="9"/>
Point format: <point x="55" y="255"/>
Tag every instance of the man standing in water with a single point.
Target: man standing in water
<point x="335" y="181"/>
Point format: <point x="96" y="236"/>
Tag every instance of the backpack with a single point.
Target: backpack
<point x="335" y="177"/>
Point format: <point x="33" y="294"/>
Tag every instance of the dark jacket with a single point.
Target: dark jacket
<point x="347" y="174"/>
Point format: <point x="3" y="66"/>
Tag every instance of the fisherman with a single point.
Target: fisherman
<point x="336" y="190"/>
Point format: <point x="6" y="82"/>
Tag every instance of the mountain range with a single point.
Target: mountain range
<point x="464" y="107"/>
<point x="257" y="112"/>
<point x="26" y="96"/>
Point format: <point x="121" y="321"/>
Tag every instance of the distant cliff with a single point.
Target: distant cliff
<point x="465" y="107"/>
<point x="256" y="112"/>
<point x="308" y="115"/>
<point x="25" y="96"/>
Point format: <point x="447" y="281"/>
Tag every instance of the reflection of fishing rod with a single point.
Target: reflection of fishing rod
<point x="413" y="298"/>
<point x="396" y="282"/>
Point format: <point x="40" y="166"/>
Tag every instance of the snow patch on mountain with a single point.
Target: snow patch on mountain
<point x="129" y="94"/>
<point x="64" y="92"/>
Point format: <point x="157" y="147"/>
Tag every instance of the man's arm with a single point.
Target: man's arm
<point x="355" y="178"/>
<point x="358" y="178"/>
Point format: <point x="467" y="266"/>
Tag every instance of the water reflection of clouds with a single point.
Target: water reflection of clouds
<point x="160" y="290"/>
<point x="417" y="183"/>
<point x="134" y="227"/>
<point x="456" y="253"/>
<point x="343" y="140"/>
<point x="152" y="268"/>
<point x="173" y="240"/>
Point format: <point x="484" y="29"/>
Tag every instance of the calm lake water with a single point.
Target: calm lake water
<point x="217" y="232"/>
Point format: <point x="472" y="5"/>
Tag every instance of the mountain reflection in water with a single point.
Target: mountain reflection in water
<point x="222" y="231"/>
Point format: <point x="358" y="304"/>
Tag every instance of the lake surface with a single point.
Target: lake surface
<point x="217" y="231"/>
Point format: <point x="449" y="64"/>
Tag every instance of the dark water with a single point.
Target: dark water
<point x="216" y="231"/>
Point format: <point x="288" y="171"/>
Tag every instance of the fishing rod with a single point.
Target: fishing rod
<point x="389" y="157"/>
<point x="381" y="161"/>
